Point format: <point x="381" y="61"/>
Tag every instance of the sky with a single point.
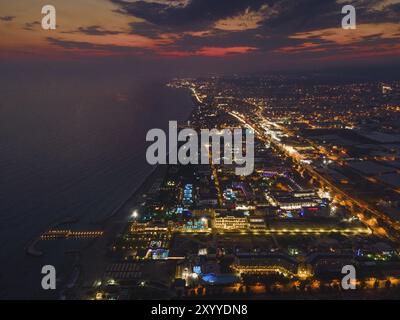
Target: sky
<point x="208" y="33"/>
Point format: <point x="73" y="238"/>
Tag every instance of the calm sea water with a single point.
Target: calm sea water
<point x="70" y="145"/>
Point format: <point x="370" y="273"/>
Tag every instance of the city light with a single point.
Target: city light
<point x="135" y="214"/>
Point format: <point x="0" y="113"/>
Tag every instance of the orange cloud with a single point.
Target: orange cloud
<point x="209" y="52"/>
<point x="343" y="37"/>
<point x="244" y="21"/>
<point x="304" y="47"/>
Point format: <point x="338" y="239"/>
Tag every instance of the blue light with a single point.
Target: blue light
<point x="220" y="279"/>
<point x="197" y="269"/>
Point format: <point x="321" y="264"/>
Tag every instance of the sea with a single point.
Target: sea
<point x="71" y="144"/>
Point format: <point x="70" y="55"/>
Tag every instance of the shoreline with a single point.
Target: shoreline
<point x="30" y="247"/>
<point x="92" y="257"/>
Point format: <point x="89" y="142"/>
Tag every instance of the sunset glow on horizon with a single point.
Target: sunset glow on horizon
<point x="199" y="28"/>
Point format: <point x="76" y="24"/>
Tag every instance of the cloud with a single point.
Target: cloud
<point x="209" y="52"/>
<point x="94" y="31"/>
<point x="247" y="20"/>
<point x="190" y="15"/>
<point x="120" y="42"/>
<point x="371" y="5"/>
<point x="7" y="18"/>
<point x="31" y="25"/>
<point x="383" y="5"/>
<point x="343" y="37"/>
<point x="254" y="29"/>
<point x="303" y="47"/>
<point x="199" y="23"/>
<point x="84" y="48"/>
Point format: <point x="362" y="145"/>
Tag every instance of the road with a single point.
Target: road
<point x="388" y="223"/>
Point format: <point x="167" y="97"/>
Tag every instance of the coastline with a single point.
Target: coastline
<point x="92" y="258"/>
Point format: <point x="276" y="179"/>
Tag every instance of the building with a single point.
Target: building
<point x="257" y="223"/>
<point x="264" y="264"/>
<point x="293" y="200"/>
<point x="231" y="221"/>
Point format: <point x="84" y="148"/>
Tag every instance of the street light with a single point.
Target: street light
<point x="135" y="214"/>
